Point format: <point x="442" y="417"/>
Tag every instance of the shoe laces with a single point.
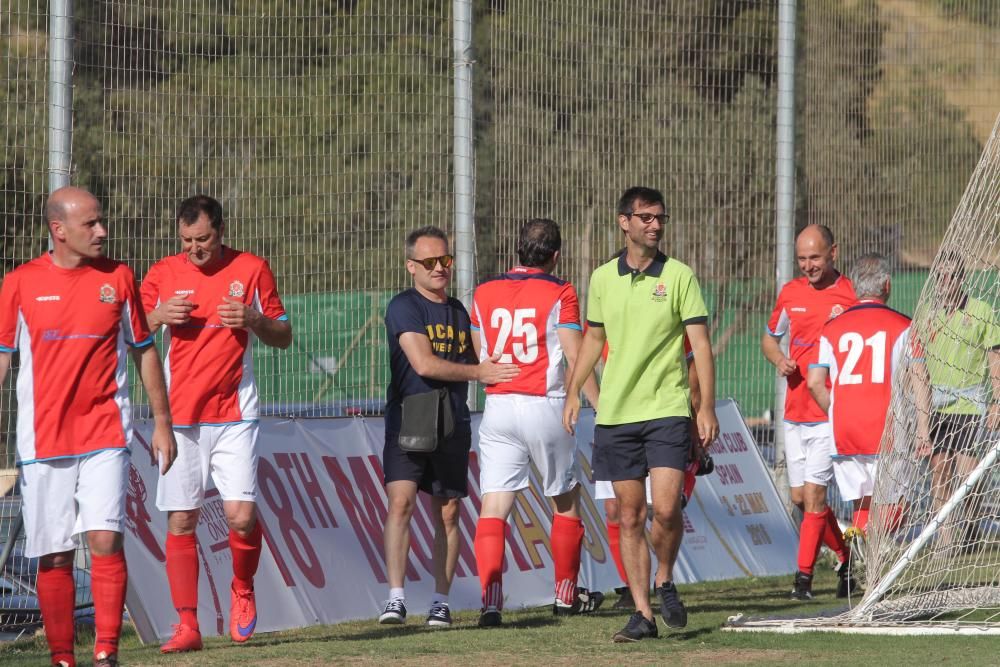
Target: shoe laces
<point x="439" y="610"/>
<point x="395" y="604"/>
<point x="635" y="621"/>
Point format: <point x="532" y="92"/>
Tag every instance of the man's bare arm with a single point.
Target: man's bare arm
<point x="420" y="354"/>
<point x="771" y="346"/>
<point x="571" y="340"/>
<point x="816" y="381"/>
<point x="701" y="345"/>
<point x="590" y="352"/>
<point x="147" y="362"/>
<point x="4" y="365"/>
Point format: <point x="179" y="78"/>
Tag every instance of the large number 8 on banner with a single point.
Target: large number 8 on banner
<point x="519" y="326"/>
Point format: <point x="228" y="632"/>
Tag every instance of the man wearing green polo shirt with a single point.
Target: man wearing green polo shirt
<point x="642" y="303"/>
<point x="962" y="353"/>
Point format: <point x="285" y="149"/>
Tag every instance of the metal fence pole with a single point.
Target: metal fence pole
<point x="785" y="209"/>
<point x="464" y="157"/>
<point x="60" y="92"/>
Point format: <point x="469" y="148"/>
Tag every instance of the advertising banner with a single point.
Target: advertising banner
<point x="322" y="507"/>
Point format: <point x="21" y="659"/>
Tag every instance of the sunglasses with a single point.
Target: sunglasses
<point x="647" y="218"/>
<point x="430" y="262"/>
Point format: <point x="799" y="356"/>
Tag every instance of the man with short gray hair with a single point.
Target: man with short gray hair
<point x="859" y="352"/>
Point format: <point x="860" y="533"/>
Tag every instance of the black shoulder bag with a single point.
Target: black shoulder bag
<point x="427" y="420"/>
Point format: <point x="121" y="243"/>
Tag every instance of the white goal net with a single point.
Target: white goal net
<point x="931" y="559"/>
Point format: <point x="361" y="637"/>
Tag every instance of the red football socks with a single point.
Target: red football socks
<point x="833" y="537"/>
<point x="810" y="536"/>
<point x="57" y="598"/>
<point x="860" y="520"/>
<point x="182" y="574"/>
<point x="246" y="555"/>
<point x="614" y="543"/>
<point x="489" y="545"/>
<point x="108" y="580"/>
<point x="567" y="538"/>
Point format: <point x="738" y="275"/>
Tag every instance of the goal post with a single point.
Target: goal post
<point x="931" y="556"/>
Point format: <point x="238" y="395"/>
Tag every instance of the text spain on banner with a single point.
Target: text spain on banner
<point x="322" y="506"/>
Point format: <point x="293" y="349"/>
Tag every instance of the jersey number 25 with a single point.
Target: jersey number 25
<point x="516" y="325"/>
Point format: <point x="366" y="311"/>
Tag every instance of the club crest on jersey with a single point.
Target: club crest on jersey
<point x="659" y="292"/>
<point x="107" y="294"/>
<point x="836" y="310"/>
<point x="236" y="289"/>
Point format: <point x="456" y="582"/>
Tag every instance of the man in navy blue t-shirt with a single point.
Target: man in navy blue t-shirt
<point x="430" y="347"/>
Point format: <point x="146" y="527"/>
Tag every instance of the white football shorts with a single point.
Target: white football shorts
<point x="606" y="491"/>
<point x="855" y="475"/>
<point x="809" y="453"/>
<point x="519" y="430"/>
<point x="227" y="452"/>
<point x="63" y="498"/>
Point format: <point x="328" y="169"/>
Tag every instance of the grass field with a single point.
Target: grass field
<point x="534" y="637"/>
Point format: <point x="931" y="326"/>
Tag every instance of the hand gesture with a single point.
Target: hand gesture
<point x="571" y="411"/>
<point x="786" y="367"/>
<point x="175" y="311"/>
<point x="164" y="448"/>
<point x="235" y="314"/>
<point x="492" y="372"/>
<point x="708" y="425"/>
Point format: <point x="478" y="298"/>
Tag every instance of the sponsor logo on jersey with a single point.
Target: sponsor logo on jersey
<point x="54" y="297"/>
<point x="183" y="292"/>
<point x="836" y="310"/>
<point x="107" y="294"/>
<point x="659" y="292"/>
<point x="236" y="289"/>
<point x="799" y="309"/>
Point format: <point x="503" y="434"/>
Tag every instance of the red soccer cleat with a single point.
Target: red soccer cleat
<point x="185" y="639"/>
<point x="242" y="613"/>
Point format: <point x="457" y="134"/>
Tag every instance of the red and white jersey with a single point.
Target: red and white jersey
<point x="862" y="349"/>
<point x="209" y="367"/>
<point x="71" y="327"/>
<point x="518" y="314"/>
<point x="801" y="312"/>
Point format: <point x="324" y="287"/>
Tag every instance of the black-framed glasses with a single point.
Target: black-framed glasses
<point x="430" y="262"/>
<point x="647" y="218"/>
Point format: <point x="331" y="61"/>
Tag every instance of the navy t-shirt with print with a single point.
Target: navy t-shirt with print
<point x="447" y="327"/>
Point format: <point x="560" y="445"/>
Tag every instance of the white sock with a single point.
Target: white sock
<point x="396" y="594"/>
<point x="439" y="598"/>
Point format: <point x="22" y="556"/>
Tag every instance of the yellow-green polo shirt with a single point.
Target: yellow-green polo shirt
<point x="643" y="314"/>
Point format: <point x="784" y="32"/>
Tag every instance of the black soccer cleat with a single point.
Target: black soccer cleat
<point x="638" y="628"/>
<point x="490" y="618"/>
<point x="624" y="600"/>
<point x="671" y="608"/>
<point x="802" y="588"/>
<point x="846" y="583"/>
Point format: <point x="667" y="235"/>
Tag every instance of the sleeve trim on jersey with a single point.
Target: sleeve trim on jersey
<point x="592" y="323"/>
<point x="772" y="334"/>
<point x="143" y="343"/>
<point x="819" y="366"/>
<point x="995" y="348"/>
<point x="4" y="348"/>
<point x="474" y="327"/>
<point x="701" y="319"/>
<point x="282" y="318"/>
<point x="569" y="325"/>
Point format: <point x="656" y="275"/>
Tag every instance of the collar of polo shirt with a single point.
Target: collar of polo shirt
<point x="654" y="269"/>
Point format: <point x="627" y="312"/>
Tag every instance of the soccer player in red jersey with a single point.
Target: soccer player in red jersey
<point x="72" y="314"/>
<point x="531" y="319"/>
<point x="803" y="307"/>
<point x="859" y="352"/>
<point x="214" y="301"/>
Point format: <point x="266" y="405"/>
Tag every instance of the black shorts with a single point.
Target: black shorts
<point x="955" y="433"/>
<point x="628" y="451"/>
<point x="444" y="473"/>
